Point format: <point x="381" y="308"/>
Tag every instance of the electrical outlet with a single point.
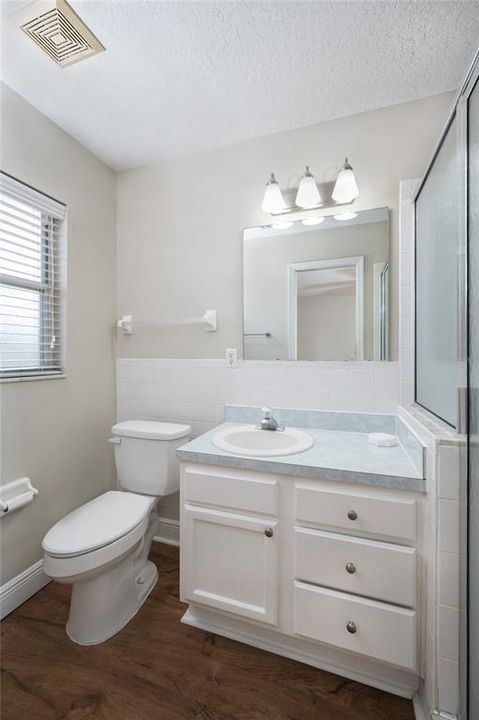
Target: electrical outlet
<point x="231" y="357"/>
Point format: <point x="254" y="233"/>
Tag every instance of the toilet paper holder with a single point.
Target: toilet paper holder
<point x="16" y="495"/>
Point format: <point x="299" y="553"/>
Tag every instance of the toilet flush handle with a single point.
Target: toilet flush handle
<point x="114" y="440"/>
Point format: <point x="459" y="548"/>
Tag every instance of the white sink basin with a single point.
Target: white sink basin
<point x="248" y="440"/>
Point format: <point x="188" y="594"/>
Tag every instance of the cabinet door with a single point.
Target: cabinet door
<point x="230" y="563"/>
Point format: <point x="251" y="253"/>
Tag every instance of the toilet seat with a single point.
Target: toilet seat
<point x="98" y="524"/>
<point x="68" y="568"/>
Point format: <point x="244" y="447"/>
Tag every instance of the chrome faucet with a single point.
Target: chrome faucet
<point x="268" y="422"/>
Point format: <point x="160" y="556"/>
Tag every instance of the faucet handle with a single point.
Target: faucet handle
<point x="266" y="413"/>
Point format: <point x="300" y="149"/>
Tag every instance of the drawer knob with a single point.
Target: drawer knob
<point x="352" y="515"/>
<point x="269" y="532"/>
<point x="351" y="568"/>
<point x="351" y="627"/>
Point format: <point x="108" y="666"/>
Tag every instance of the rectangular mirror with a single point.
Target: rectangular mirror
<point x="318" y="291"/>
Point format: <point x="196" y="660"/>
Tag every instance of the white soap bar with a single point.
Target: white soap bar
<point x="382" y="439"/>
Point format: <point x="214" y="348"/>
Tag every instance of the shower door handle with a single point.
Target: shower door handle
<point x="461" y="308"/>
<point x="462" y="410"/>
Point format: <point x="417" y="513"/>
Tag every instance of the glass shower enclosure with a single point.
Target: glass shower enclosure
<point x="473" y="394"/>
<point x="447" y="321"/>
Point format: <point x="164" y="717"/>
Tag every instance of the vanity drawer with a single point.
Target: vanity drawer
<point x="364" y="567"/>
<point x="380" y="631"/>
<point x="357" y="512"/>
<point x="220" y="488"/>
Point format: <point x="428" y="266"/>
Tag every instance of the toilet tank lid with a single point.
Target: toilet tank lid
<point x="151" y="429"/>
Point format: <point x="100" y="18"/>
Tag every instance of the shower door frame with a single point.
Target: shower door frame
<point x="459" y="110"/>
<point x="470" y="86"/>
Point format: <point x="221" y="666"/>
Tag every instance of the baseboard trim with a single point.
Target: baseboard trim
<point x="168" y="532"/>
<point x="17" y="590"/>
<point x="420" y="712"/>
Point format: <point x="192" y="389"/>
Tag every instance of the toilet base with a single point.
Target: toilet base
<point x="101" y="606"/>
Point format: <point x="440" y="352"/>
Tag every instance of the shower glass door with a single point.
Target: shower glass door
<point x="473" y="402"/>
<point x="440" y="356"/>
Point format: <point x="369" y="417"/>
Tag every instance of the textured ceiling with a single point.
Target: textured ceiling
<point x="181" y="77"/>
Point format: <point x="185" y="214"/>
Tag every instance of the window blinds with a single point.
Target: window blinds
<point x="32" y="281"/>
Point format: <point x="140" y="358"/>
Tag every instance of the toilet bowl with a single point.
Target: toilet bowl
<point x="102" y="547"/>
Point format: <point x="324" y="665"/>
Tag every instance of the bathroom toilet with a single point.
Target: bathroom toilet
<point x="102" y="547"/>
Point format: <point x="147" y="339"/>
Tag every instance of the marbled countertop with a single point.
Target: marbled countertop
<point x="336" y="455"/>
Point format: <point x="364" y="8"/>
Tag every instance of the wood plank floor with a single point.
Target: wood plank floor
<point x="159" y="669"/>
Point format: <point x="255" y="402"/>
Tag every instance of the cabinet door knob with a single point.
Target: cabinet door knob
<point x="269" y="532"/>
<point x="352" y="515"/>
<point x="351" y="627"/>
<point x="350" y="568"/>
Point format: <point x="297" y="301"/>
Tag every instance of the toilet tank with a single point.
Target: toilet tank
<point x="145" y="455"/>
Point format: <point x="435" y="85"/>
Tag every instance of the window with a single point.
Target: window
<point x="32" y="284"/>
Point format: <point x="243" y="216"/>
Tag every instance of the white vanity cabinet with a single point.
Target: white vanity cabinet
<point x="325" y="572"/>
<point x="372" y="561"/>
<point x="229" y="534"/>
<point x="231" y="563"/>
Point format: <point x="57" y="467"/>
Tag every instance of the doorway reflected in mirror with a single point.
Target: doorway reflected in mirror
<point x="318" y="292"/>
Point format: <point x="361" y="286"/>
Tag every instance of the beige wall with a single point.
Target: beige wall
<point x="55" y="431"/>
<point x="180" y="222"/>
<point x="179" y="252"/>
<point x="327" y="326"/>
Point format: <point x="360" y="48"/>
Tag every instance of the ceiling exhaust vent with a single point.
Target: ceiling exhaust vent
<point x="58" y="31"/>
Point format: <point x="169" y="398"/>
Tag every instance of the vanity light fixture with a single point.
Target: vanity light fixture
<point x="273" y="201"/>
<point x="346" y="216"/>
<point x="346" y="188"/>
<point x="312" y="221"/>
<point x="282" y="225"/>
<point x="308" y="194"/>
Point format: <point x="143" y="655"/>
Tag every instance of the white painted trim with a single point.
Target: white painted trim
<point x="20" y="588"/>
<point x="420" y="712"/>
<point x="168" y="532"/>
<point x="356" y="261"/>
<point x="407" y="339"/>
<point x="380" y="302"/>
<point x="397" y="682"/>
<point x="20" y="191"/>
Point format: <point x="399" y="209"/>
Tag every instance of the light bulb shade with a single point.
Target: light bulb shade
<point x="273" y="201"/>
<point x="313" y="221"/>
<point x="285" y="225"/>
<point x="346" y="188"/>
<point x="346" y="216"/>
<point x="308" y="195"/>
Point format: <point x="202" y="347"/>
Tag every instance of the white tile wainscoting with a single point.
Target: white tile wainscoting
<point x="443" y="631"/>
<point x="195" y="391"/>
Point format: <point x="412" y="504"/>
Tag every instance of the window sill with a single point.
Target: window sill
<point x="32" y="378"/>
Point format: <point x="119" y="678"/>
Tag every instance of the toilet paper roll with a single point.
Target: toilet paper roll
<point x="19" y="501"/>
